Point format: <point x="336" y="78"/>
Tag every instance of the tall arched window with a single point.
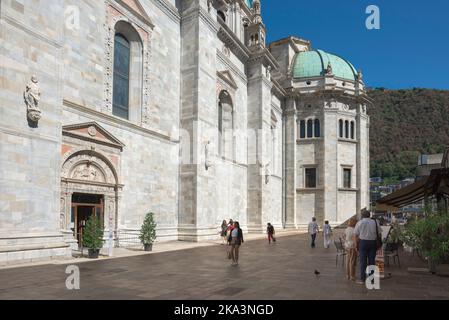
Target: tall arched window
<point x="274" y="143"/>
<point x="317" y="128"/>
<point x="225" y="125"/>
<point x="302" y="129"/>
<point x="347" y="129"/>
<point x="340" y="128"/>
<point x="309" y="128"/>
<point x="352" y="130"/>
<point x="127" y="88"/>
<point x="122" y="58"/>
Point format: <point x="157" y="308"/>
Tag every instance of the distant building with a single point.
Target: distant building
<point x="427" y="163"/>
<point x="376" y="180"/>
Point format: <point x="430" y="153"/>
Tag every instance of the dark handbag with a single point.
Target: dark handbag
<point x="378" y="238"/>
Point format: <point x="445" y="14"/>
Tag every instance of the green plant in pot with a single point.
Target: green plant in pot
<point x="148" y="232"/>
<point x="430" y="235"/>
<point x="93" y="236"/>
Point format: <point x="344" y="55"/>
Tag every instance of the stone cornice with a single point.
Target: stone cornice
<point x="58" y="44"/>
<point x="278" y="90"/>
<point x="117" y="121"/>
<point x="168" y="9"/>
<point x="265" y="56"/>
<point x="230" y="39"/>
<point x="203" y="15"/>
<point x="231" y="66"/>
<point x="142" y="16"/>
<point x="276" y="108"/>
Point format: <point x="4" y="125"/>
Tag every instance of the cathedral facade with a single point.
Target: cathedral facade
<point x="117" y="108"/>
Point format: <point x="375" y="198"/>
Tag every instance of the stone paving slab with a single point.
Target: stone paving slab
<point x="284" y="270"/>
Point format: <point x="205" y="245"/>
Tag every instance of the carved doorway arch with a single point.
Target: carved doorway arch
<point x="89" y="172"/>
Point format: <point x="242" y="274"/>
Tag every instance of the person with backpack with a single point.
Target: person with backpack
<point x="270" y="232"/>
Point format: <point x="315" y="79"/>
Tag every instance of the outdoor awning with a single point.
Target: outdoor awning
<point x="435" y="184"/>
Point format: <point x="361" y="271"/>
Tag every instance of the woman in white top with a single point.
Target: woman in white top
<point x="351" y="250"/>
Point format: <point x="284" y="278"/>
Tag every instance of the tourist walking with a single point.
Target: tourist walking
<point x="270" y="232"/>
<point x="313" y="230"/>
<point x="351" y="250"/>
<point x="236" y="242"/>
<point x="228" y="230"/>
<point x="367" y="231"/>
<point x="223" y="231"/>
<point x="327" y="234"/>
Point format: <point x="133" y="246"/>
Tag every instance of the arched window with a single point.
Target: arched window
<point x="317" y="128"/>
<point x="347" y="129"/>
<point x="340" y="128"/>
<point x="352" y="130"/>
<point x="221" y="15"/>
<point x="225" y="125"/>
<point x="302" y="129"/>
<point x="127" y="89"/>
<point x="122" y="58"/>
<point x="309" y="128"/>
<point x="274" y="143"/>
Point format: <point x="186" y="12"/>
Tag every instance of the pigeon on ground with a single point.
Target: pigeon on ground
<point x="317" y="273"/>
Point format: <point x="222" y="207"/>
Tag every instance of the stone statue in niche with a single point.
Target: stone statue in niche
<point x="209" y="162"/>
<point x="32" y="96"/>
<point x="209" y="5"/>
<point x="359" y="75"/>
<point x="267" y="173"/>
<point x="269" y="73"/>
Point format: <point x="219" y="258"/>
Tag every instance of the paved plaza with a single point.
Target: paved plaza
<point x="284" y="270"/>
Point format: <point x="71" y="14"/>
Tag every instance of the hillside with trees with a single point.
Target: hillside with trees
<point x="404" y="124"/>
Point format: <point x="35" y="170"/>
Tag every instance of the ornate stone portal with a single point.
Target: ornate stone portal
<point x="90" y="157"/>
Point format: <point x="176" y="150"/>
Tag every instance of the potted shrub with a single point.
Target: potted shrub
<point x="430" y="235"/>
<point x="93" y="236"/>
<point x="148" y="232"/>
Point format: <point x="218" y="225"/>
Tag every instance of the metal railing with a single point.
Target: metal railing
<point x="128" y="239"/>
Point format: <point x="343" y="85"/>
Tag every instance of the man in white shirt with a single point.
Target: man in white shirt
<point x="366" y="232"/>
<point x="313" y="230"/>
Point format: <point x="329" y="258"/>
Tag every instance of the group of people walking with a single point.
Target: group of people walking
<point x="232" y="235"/>
<point x="361" y="239"/>
<point x="314" y="229"/>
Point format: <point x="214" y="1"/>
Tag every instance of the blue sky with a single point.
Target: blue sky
<point x="410" y="50"/>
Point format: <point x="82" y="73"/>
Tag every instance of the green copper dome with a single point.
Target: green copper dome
<point x="314" y="64"/>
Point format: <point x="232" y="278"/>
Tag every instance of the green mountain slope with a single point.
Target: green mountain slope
<point x="405" y="123"/>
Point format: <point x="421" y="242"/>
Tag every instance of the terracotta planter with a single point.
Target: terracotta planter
<point x="148" y="247"/>
<point x="93" y="253"/>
